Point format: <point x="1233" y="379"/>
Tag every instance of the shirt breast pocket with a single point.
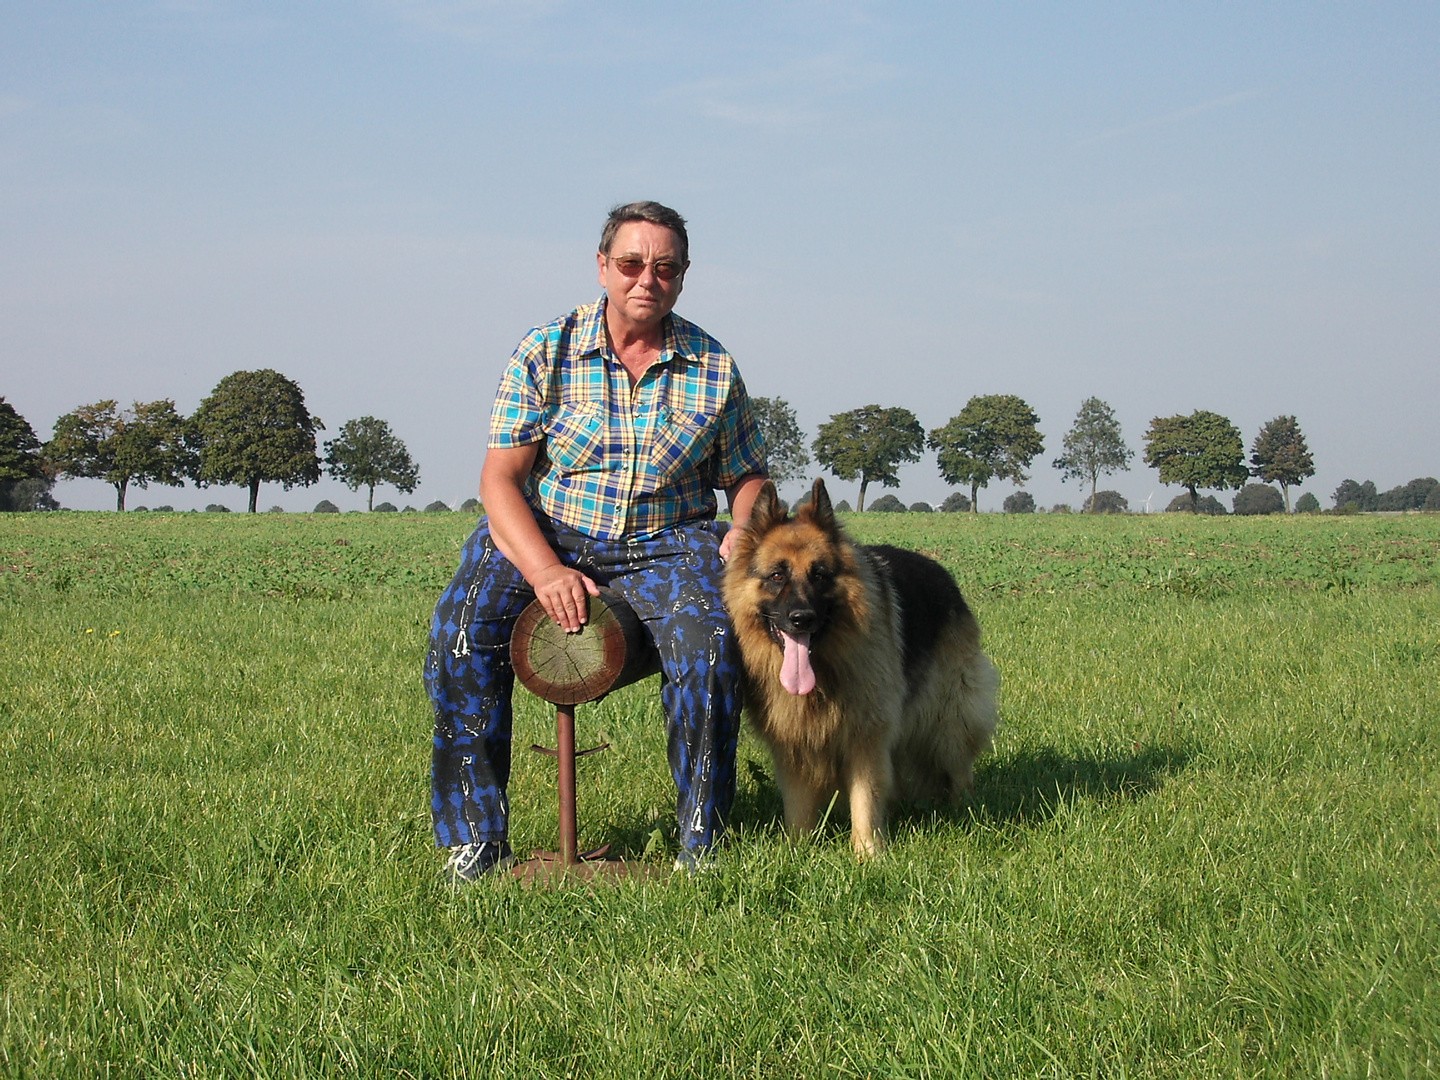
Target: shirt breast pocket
<point x="681" y="443"/>
<point x="575" y="436"/>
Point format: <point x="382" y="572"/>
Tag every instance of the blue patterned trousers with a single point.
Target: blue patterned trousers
<point x="673" y="582"/>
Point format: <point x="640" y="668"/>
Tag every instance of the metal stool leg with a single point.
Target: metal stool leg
<point x="569" y="860"/>
<point x="565" y="743"/>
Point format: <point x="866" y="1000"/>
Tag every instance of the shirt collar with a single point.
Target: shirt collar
<point x="679" y="341"/>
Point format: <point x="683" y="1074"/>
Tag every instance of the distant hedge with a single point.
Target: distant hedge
<point x="1258" y="499"/>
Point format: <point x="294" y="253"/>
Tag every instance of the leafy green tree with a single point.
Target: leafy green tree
<point x="1093" y="445"/>
<point x="785" y="452"/>
<point x="1357" y="497"/>
<point x="869" y="443"/>
<point x="994" y="437"/>
<point x="1019" y="502"/>
<point x="1184" y="504"/>
<point x="1202" y="450"/>
<point x="367" y="453"/>
<point x="1307" y="504"/>
<point x="254" y="428"/>
<point x="24" y="496"/>
<point x="24" y="478"/>
<point x="1258" y="499"/>
<point x="148" y="443"/>
<point x="1280" y="456"/>
<point x="1107" y="502"/>
<point x="887" y="504"/>
<point x="955" y="503"/>
<point x="1411" y="496"/>
<point x="20" y="456"/>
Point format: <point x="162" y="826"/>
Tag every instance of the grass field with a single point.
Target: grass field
<point x="1205" y="845"/>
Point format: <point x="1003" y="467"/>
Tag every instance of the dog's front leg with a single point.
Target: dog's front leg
<point x="869" y="780"/>
<point x="801" y="797"/>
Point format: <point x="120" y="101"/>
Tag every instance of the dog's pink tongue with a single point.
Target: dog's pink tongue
<point x="796" y="674"/>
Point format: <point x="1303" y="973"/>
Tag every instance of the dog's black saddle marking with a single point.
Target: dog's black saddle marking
<point x="929" y="599"/>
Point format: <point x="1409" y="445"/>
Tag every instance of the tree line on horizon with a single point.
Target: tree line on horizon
<point x="253" y="428"/>
<point x="997" y="436"/>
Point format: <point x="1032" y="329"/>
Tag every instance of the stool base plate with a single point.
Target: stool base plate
<point x="546" y="869"/>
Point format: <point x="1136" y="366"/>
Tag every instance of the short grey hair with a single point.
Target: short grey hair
<point x="649" y="211"/>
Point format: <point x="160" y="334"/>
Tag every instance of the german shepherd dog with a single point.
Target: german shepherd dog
<point x="863" y="669"/>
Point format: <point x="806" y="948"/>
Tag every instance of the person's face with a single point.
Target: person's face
<point x="643" y="273"/>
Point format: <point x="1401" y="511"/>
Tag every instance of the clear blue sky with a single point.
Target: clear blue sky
<point x="1230" y="207"/>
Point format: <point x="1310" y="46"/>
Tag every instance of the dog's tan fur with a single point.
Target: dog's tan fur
<point x="867" y="730"/>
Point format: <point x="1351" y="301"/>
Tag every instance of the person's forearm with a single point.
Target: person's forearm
<point x="561" y="590"/>
<point x="742" y="497"/>
<point x="512" y="524"/>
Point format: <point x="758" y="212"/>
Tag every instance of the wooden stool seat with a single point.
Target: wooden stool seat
<point x="611" y="651"/>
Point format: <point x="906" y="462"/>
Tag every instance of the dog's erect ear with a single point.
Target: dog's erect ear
<point x="821" y="512"/>
<point x="766" y="510"/>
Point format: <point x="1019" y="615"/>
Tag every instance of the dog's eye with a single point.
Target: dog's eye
<point x="778" y="577"/>
<point x="821" y="573"/>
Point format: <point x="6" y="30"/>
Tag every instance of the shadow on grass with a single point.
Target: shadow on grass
<point x="1028" y="788"/>
<point x="757" y="807"/>
<point x="1019" y="789"/>
<point x="757" y="803"/>
<point x="1022" y="789"/>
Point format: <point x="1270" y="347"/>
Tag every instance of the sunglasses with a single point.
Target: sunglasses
<point x="632" y="266"/>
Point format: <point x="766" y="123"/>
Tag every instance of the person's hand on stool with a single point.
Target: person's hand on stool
<point x="563" y="593"/>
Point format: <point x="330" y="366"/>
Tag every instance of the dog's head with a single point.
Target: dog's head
<point x="787" y="578"/>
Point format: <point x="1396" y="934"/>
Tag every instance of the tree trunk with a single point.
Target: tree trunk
<point x="120" y="486"/>
<point x="1093" y="478"/>
<point x="1285" y="490"/>
<point x="254" y="494"/>
<point x="974" y="498"/>
<point x="864" y="480"/>
<point x="1194" y="499"/>
<point x="371" y="505"/>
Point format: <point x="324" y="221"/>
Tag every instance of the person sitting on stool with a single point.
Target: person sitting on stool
<point x="611" y="431"/>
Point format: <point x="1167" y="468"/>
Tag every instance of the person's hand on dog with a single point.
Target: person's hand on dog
<point x="727" y="543"/>
<point x="564" y="594"/>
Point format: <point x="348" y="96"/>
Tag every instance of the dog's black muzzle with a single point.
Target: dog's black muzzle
<point x="801" y="620"/>
<point x="796" y="619"/>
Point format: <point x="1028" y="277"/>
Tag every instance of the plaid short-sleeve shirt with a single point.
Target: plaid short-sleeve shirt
<point x="620" y="461"/>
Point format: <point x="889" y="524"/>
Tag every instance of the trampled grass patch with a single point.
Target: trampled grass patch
<point x="1204" y="846"/>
